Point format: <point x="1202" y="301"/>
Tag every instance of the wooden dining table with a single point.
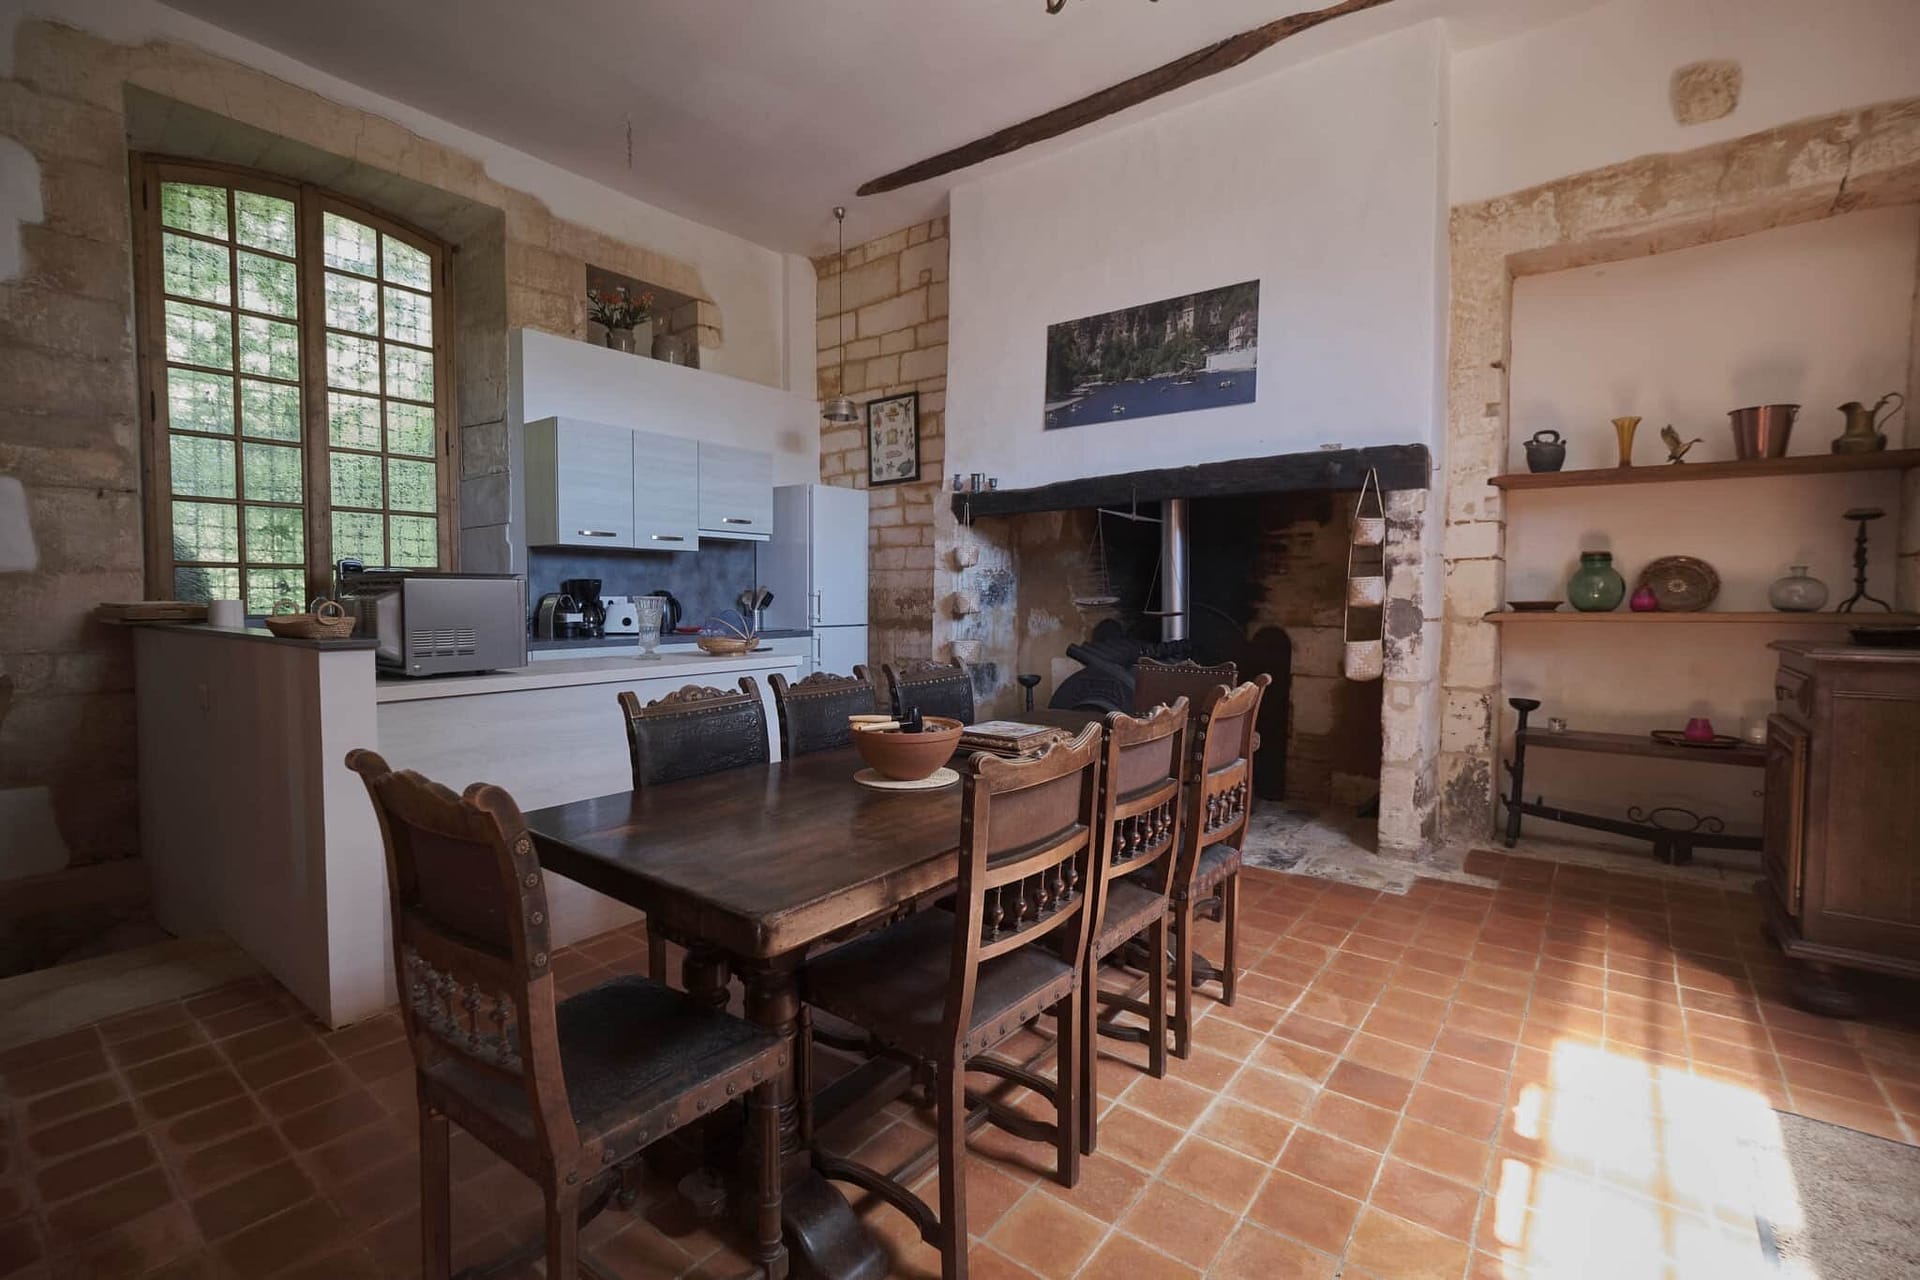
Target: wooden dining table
<point x="748" y="869"/>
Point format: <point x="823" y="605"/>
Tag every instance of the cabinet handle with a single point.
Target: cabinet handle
<point x="596" y="533"/>
<point x="735" y="520"/>
<point x="813" y="598"/>
<point x="667" y="537"/>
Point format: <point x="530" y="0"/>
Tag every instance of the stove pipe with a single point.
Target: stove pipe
<point x="1173" y="569"/>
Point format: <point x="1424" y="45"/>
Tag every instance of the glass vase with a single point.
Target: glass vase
<point x="648" y="611"/>
<point x="1596" y="586"/>
<point x="1798" y="592"/>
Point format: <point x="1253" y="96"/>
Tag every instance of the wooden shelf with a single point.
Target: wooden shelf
<point x="1876" y="617"/>
<point x="1644" y="745"/>
<point x="1667" y="473"/>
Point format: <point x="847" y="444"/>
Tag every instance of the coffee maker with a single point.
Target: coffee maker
<point x="593" y="614"/>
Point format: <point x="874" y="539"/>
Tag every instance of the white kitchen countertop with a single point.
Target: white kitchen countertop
<point x="694" y="667"/>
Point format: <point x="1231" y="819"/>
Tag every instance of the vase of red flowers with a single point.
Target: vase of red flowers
<point x="627" y="318"/>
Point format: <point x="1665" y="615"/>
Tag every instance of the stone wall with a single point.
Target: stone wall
<point x="883" y="316"/>
<point x="69" y="428"/>
<point x="1796" y="173"/>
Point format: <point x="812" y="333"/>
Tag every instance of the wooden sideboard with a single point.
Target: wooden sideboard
<point x="1841" y="842"/>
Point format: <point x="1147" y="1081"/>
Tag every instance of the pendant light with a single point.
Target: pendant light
<point x="841" y="410"/>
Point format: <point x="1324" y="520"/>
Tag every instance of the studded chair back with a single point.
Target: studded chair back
<point x="1220" y="783"/>
<point x="694" y="731"/>
<point x="813" y="713"/>
<point x="1157" y="683"/>
<point x="1140" y="786"/>
<point x="937" y="688"/>
<point x="1028" y="831"/>
<point x="470" y="938"/>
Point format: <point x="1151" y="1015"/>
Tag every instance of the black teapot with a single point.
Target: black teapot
<point x="1546" y="451"/>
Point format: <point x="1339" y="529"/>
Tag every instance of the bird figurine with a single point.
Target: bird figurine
<point x="1676" y="451"/>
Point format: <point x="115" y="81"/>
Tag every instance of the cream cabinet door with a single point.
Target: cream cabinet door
<point x="666" y="493"/>
<point x="736" y="493"/>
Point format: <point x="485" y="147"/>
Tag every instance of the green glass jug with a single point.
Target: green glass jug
<point x="1596" y="586"/>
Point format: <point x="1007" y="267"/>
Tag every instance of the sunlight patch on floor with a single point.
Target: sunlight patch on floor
<point x="1616" y="1168"/>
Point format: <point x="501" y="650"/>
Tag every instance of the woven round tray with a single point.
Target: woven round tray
<point x="1682" y="584"/>
<point x="1678" y="738"/>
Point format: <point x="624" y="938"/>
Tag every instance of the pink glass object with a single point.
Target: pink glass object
<point x="1644" y="601"/>
<point x="1699" y="729"/>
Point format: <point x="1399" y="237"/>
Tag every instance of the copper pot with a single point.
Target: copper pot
<point x="1761" y="431"/>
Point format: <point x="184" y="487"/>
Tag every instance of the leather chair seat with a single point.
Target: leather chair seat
<point x="1131" y="907"/>
<point x="640" y="1059"/>
<point x="894" y="983"/>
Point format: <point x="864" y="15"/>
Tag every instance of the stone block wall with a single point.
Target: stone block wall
<point x="69" y="425"/>
<point x="882" y="317"/>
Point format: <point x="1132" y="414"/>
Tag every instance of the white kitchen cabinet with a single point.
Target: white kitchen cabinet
<point x="801" y="647"/>
<point x="580" y="490"/>
<point x="666" y="493"/>
<point x="736" y="493"/>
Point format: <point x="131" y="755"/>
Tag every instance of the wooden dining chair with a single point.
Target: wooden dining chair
<point x="945" y="987"/>
<point x="567" y="1092"/>
<point x="1139" y="829"/>
<point x="691" y="732"/>
<point x="1217" y="802"/>
<point x="1157" y="683"/>
<point x="813" y="713"/>
<point x="937" y="688"/>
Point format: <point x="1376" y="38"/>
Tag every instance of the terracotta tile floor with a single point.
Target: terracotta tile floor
<point x="1569" y="1074"/>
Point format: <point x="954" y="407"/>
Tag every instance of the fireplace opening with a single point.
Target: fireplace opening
<point x="1265" y="586"/>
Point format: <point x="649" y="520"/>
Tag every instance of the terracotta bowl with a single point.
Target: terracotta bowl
<point x="909" y="757"/>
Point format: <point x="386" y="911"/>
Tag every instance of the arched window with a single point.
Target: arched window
<point x="296" y="387"/>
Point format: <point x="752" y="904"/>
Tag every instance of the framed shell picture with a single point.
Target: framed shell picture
<point x="893" y="439"/>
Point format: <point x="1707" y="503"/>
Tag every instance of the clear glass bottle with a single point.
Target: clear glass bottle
<point x="1798" y="592"/>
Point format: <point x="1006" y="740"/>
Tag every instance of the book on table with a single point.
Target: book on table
<point x="1009" y="737"/>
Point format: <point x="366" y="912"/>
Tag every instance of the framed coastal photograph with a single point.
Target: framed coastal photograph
<point x="1196" y="351"/>
<point x="893" y="439"/>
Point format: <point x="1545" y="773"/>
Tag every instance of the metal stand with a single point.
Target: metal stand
<point x="1862" y="516"/>
<point x="1671" y="844"/>
<point x="1028" y="683"/>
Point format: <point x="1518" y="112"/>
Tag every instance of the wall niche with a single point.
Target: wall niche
<point x="672" y="333"/>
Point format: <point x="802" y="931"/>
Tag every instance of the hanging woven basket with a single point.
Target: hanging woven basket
<point x="1364" y="657"/>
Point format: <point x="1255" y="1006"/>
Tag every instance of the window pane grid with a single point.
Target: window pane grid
<point x="245" y="351"/>
<point x="368" y="322"/>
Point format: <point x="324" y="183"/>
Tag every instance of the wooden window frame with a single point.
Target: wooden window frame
<point x="311" y="203"/>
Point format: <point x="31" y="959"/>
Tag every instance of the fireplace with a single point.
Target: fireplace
<point x="1249" y="569"/>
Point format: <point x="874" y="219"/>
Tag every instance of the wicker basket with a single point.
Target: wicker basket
<point x="727" y="646"/>
<point x="328" y="621"/>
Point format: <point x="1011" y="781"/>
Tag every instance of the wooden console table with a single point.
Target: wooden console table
<point x="1670" y="844"/>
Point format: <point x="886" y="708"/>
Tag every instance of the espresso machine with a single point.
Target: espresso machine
<point x="593" y="614"/>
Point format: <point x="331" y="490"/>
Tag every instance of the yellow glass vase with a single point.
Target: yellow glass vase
<point x="1624" y="428"/>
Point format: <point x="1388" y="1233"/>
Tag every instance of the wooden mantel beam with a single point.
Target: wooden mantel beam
<point x="1401" y="466"/>
<point x="1223" y="55"/>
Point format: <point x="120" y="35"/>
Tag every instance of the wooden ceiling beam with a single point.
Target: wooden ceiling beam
<point x="1220" y="56"/>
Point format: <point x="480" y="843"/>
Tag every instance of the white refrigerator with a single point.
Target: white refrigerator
<point x="816" y="566"/>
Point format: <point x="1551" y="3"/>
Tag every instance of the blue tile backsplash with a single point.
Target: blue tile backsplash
<point x="705" y="582"/>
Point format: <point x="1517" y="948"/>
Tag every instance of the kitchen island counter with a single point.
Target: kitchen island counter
<point x="692" y="667"/>
<point x="251" y="823"/>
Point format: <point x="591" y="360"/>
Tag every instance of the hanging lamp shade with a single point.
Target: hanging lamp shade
<point x="841" y="410"/>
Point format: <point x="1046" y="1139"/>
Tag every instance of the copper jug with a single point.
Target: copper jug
<point x="1863" y="424"/>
